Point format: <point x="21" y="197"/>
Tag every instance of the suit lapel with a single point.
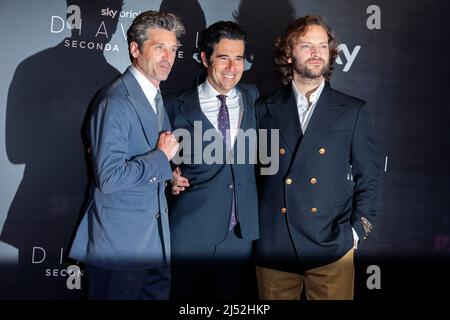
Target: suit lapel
<point x="285" y="114"/>
<point x="191" y="110"/>
<point x="244" y="113"/>
<point x="322" y="118"/>
<point x="144" y="110"/>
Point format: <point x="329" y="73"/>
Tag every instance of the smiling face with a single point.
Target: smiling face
<point x="225" y="65"/>
<point x="156" y="56"/>
<point x="311" y="53"/>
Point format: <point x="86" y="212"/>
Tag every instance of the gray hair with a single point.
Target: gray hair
<point x="153" y="20"/>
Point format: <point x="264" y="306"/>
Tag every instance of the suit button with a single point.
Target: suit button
<point x="283" y="210"/>
<point x="230" y="186"/>
<point x="313" y="180"/>
<point x="165" y="184"/>
<point x="322" y="151"/>
<point x="166" y="210"/>
<point x="152" y="179"/>
<point x="313" y="210"/>
<point x="282" y="151"/>
<point x="157" y="215"/>
<point x="288" y="181"/>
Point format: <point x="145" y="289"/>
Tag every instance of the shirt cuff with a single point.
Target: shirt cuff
<point x="355" y="239"/>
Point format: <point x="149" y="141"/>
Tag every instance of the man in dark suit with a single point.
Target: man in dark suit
<point x="124" y="235"/>
<point x="215" y="219"/>
<point x="312" y="211"/>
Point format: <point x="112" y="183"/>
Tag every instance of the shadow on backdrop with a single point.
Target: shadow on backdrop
<point x="47" y="103"/>
<point x="187" y="69"/>
<point x="263" y="25"/>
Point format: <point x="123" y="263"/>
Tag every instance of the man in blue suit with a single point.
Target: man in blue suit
<point x="124" y="235"/>
<point x="312" y="211"/>
<point x="215" y="219"/>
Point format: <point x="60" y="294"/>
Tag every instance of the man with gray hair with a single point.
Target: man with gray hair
<point x="124" y="235"/>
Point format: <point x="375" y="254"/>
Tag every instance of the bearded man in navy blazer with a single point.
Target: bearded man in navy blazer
<point x="312" y="211"/>
<point x="215" y="219"/>
<point x="124" y="236"/>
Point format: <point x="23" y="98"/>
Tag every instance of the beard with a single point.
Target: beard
<point x="304" y="71"/>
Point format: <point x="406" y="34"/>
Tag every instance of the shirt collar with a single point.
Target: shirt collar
<point x="300" y="97"/>
<point x="149" y="88"/>
<point x="210" y="92"/>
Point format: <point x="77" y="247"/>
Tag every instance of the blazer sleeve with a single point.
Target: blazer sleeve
<point x="365" y="171"/>
<point x="114" y="170"/>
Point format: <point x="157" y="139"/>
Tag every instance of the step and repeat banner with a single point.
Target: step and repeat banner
<point x="57" y="54"/>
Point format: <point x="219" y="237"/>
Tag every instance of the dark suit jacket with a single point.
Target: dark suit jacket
<point x="202" y="212"/>
<point x="308" y="208"/>
<point x="120" y="228"/>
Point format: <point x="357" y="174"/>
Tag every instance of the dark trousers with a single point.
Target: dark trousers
<point x="208" y="272"/>
<point x="148" y="284"/>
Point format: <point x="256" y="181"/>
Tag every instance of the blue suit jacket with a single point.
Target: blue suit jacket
<point x="202" y="212"/>
<point x="119" y="230"/>
<point x="307" y="221"/>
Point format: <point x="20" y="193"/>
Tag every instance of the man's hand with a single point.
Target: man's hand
<point x="179" y="183"/>
<point x="168" y="144"/>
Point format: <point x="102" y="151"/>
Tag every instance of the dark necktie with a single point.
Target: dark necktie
<point x="159" y="104"/>
<point x="224" y="127"/>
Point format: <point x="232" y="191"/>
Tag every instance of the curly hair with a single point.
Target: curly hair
<point x="284" y="45"/>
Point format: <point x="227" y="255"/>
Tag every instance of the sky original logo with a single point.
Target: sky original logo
<point x="123" y="14"/>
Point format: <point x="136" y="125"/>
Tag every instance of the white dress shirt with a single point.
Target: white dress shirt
<point x="305" y="107"/>
<point x="210" y="105"/>
<point x="149" y="89"/>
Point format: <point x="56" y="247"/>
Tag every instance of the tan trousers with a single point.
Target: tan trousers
<point x="334" y="281"/>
